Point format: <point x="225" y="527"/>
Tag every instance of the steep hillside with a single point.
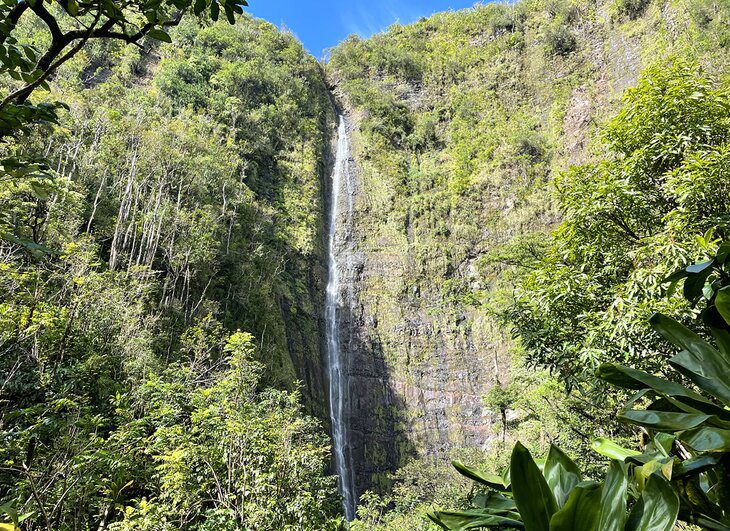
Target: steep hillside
<point x="460" y="121"/>
<point x="188" y="206"/>
<point x="202" y="163"/>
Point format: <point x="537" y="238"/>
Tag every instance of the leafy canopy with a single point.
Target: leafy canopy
<point x="630" y="219"/>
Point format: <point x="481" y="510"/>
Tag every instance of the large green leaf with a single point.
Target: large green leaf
<point x="722" y="303"/>
<point x="159" y="35"/>
<point x="664" y="420"/>
<point x="612" y="508"/>
<point x="458" y="520"/>
<point x="662" y="466"/>
<point x="630" y="378"/>
<point x="706" y="375"/>
<point x="495" y="502"/>
<point x="695" y="283"/>
<point x="688" y="400"/>
<point x="581" y="510"/>
<point x="722" y="338"/>
<point x="490" y="480"/>
<point x="199" y="6"/>
<point x="695" y="465"/>
<point x="690" y="406"/>
<point x="700" y="267"/>
<point x="680" y="336"/>
<point x="561" y="474"/>
<point x="723" y="253"/>
<point x="658" y="508"/>
<point x="709" y="524"/>
<point x="699" y="360"/>
<point x="531" y="492"/>
<point x="610" y="449"/>
<point x="663" y="442"/>
<point x="707" y="439"/>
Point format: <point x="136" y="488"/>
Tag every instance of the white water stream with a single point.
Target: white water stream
<point x="337" y="356"/>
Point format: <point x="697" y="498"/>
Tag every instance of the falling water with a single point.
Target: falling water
<point x="336" y="355"/>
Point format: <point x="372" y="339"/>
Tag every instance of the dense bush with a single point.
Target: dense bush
<point x="184" y="205"/>
<point x="631" y="8"/>
<point x="629" y="220"/>
<point x="559" y="40"/>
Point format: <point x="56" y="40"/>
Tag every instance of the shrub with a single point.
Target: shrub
<point x="632" y="9"/>
<point x="559" y="40"/>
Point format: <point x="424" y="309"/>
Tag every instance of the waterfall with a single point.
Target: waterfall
<point x="337" y="356"/>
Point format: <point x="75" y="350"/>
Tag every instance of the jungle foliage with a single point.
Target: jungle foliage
<point x="683" y="469"/>
<point x="178" y="202"/>
<point x="61" y="30"/>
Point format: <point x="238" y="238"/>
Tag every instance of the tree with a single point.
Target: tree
<point x="68" y="26"/>
<point x="657" y="197"/>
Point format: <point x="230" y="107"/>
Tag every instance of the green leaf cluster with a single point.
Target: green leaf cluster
<point x="682" y="473"/>
<point x="553" y="495"/>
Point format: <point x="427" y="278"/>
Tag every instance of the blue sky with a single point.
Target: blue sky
<point x="321" y="24"/>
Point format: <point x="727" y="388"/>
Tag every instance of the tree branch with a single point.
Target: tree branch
<point x="49" y="63"/>
<point x="22" y="94"/>
<point x="39" y="9"/>
<point x="12" y="19"/>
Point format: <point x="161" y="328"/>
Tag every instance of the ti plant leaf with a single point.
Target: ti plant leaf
<point x="610" y="449"/>
<point x="561" y="474"/>
<point x="472" y="520"/>
<point x="533" y="497"/>
<point x="490" y="480"/>
<point x="581" y="511"/>
<point x="699" y="361"/>
<point x="707" y="439"/>
<point x="722" y="303"/>
<point x="680" y="395"/>
<point x="495" y="502"/>
<point x="664" y="420"/>
<point x="612" y="509"/>
<point x="658" y="508"/>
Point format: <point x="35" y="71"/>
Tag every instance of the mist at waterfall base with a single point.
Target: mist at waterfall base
<point x="337" y="356"/>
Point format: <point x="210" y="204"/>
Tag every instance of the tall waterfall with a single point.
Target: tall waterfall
<point x="337" y="356"/>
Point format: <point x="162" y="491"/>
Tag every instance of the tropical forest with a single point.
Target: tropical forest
<point x="466" y="269"/>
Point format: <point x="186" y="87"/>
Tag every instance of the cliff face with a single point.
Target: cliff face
<point x="459" y="122"/>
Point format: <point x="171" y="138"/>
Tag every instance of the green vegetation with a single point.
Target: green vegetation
<point x="683" y="471"/>
<point x="653" y="203"/>
<point x="161" y="267"/>
<point x="657" y="199"/>
<point x="181" y="202"/>
<point x="61" y="30"/>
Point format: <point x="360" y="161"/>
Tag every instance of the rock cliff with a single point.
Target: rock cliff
<point x="458" y="123"/>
